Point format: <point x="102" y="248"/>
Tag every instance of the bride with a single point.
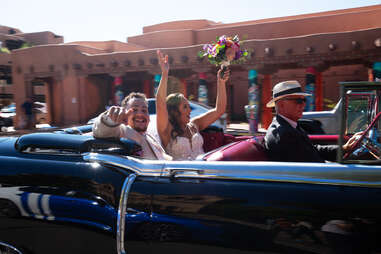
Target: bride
<point x="180" y="135"/>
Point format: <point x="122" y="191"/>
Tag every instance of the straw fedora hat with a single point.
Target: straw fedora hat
<point x="284" y="89"/>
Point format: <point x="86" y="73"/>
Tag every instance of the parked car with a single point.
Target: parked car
<point x="62" y="192"/>
<point x="6" y="116"/>
<point x="196" y="110"/>
<point x="41" y="112"/>
<point x="8" y="111"/>
<point x="5" y="122"/>
<point x="39" y="109"/>
<point x="329" y="119"/>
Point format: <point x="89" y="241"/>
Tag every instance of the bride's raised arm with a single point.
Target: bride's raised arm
<point x="163" y="126"/>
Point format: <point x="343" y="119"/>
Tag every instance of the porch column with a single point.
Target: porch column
<point x="202" y="88"/>
<point x="184" y="85"/>
<point x="156" y="82"/>
<point x="20" y="97"/>
<point x="266" y="97"/>
<point x="319" y="101"/>
<point x="82" y="100"/>
<point x="310" y="88"/>
<point x="146" y="88"/>
<point x="376" y="72"/>
<point x="116" y="91"/>
<point x="252" y="109"/>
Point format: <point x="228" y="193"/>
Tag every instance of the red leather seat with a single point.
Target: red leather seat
<point x="215" y="139"/>
<point x="245" y="150"/>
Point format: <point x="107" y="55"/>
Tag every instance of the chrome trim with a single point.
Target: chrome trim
<point x="139" y="166"/>
<point x="269" y="171"/>
<point x="295" y="172"/>
<point x="122" y="212"/>
<point x="173" y="172"/>
<point x="10" y="247"/>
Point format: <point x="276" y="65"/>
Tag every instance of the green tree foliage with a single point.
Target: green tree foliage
<point x="5" y="50"/>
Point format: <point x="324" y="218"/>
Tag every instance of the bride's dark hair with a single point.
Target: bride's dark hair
<point x="173" y="102"/>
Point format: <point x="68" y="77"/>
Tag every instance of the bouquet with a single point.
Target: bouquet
<point x="225" y="51"/>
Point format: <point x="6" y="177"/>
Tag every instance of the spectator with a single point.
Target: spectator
<point x="28" y="112"/>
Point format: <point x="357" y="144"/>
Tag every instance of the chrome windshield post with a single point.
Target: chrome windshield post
<point x="122" y="212"/>
<point x="7" y="248"/>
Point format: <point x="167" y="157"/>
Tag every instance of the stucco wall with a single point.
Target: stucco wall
<point x="42" y="38"/>
<point x="165" y="39"/>
<point x="300" y="27"/>
<point x="6" y="29"/>
<point x="179" y="25"/>
<point x="327" y="22"/>
<point x="302" y="16"/>
<point x="5" y="59"/>
<point x="108" y="46"/>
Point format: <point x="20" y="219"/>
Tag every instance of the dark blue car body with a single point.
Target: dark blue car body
<point x="68" y="192"/>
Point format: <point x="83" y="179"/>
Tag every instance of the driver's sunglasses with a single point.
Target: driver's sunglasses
<point x="297" y="100"/>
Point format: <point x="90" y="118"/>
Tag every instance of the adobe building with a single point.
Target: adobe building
<point x="77" y="80"/>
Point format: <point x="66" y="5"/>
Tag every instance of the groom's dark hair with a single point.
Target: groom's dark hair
<point x="131" y="96"/>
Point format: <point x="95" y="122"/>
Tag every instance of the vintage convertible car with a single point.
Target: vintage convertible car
<point x="67" y="192"/>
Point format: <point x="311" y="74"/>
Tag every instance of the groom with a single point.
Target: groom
<point x="130" y="121"/>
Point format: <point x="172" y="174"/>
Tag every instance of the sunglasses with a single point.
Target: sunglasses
<point x="297" y="100"/>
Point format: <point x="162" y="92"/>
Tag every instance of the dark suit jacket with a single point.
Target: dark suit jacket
<point x="285" y="143"/>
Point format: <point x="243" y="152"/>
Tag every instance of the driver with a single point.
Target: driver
<point x="130" y="121"/>
<point x="285" y="140"/>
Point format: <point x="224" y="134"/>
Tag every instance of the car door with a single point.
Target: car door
<point x="64" y="203"/>
<point x="133" y="221"/>
<point x="262" y="207"/>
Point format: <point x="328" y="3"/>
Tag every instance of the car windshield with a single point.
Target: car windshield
<point x="359" y="110"/>
<point x="362" y="114"/>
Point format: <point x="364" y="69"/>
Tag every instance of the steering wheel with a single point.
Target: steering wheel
<point x="374" y="148"/>
<point x="359" y="142"/>
<point x="366" y="141"/>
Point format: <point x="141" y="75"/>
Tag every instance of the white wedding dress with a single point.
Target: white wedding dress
<point x="183" y="148"/>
